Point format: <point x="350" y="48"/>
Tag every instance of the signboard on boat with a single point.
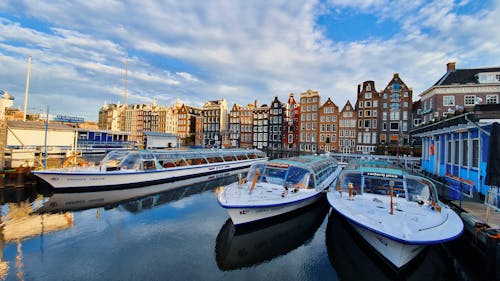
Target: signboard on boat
<point x="382" y="175"/>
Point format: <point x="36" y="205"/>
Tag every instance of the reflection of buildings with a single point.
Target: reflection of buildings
<point x="20" y="223"/>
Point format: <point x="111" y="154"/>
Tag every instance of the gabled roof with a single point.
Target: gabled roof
<point x="463" y="76"/>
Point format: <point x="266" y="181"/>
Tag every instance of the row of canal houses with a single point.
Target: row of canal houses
<point x="307" y="124"/>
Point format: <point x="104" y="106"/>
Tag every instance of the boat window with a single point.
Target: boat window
<point x="149" y="165"/>
<point x="379" y="185"/>
<point x="199" y="161"/>
<point x="132" y="161"/>
<point x="350" y="177"/>
<point x="298" y="177"/>
<point x="274" y="175"/>
<point x="228" y="158"/>
<point x="253" y="171"/>
<point x="167" y="163"/>
<point x="419" y="189"/>
<point x="241" y="156"/>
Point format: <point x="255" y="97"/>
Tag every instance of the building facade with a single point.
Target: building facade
<point x="215" y="115"/>
<point x="291" y="124"/>
<point x="234" y="126"/>
<point x="347" y="129"/>
<point x="276" y="112"/>
<point x="310" y="102"/>
<point x="459" y="90"/>
<point x="328" y="127"/>
<point x="260" y="127"/>
<point x="395" y="113"/>
<point x="367" y="110"/>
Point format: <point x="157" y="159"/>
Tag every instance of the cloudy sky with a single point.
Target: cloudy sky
<point x="239" y="50"/>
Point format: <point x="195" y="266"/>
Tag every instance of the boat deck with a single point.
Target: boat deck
<point x="479" y="210"/>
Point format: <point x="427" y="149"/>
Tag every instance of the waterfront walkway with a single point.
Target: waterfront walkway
<point x="480" y="211"/>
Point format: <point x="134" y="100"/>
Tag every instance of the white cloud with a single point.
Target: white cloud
<point x="240" y="51"/>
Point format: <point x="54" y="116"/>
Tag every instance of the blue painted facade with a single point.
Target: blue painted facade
<point x="457" y="153"/>
<point x="92" y="139"/>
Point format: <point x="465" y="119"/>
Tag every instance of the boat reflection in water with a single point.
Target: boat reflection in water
<point x="247" y="245"/>
<point x="136" y="199"/>
<point x="353" y="259"/>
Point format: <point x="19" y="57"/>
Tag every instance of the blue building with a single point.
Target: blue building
<point x="89" y="139"/>
<point x="456" y="149"/>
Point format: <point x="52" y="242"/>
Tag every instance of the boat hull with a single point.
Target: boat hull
<point x="96" y="180"/>
<point x="397" y="253"/>
<point x="244" y="215"/>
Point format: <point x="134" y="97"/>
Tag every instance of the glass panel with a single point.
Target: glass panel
<point x="297" y="177"/>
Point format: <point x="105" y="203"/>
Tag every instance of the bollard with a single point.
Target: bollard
<point x="492" y="254"/>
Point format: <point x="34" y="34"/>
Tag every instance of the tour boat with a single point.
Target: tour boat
<point x="135" y="198"/>
<point x="398" y="214"/>
<point x="278" y="187"/>
<point x="135" y="168"/>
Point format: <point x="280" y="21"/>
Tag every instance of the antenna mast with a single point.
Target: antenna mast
<point x="27" y="87"/>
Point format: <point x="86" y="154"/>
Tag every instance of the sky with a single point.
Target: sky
<point x="194" y="51"/>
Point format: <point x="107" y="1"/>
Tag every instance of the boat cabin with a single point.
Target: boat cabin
<point x="298" y="172"/>
<point x="156" y="159"/>
<point x="383" y="180"/>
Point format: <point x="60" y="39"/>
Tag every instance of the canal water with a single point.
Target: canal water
<point x="183" y="234"/>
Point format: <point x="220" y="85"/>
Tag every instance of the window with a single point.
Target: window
<point x="368" y="104"/>
<point x="449" y="101"/>
<point x="374" y="124"/>
<point x="465" y="153"/>
<point x="475" y="153"/>
<point x="384" y="126"/>
<point x="384" y="115"/>
<point x="368" y="87"/>
<point x="367" y="124"/>
<point x="395" y="115"/>
<point x="375" y="103"/>
<point x="449" y="152"/>
<point x="360" y="104"/>
<point x="394" y="126"/>
<point x="492" y="99"/>
<point x="405" y="126"/>
<point x="368" y="113"/>
<point x="384" y="105"/>
<point x="374" y="113"/>
<point x="360" y="113"/>
<point x="396" y="87"/>
<point x="457" y="152"/>
<point x="405" y="104"/>
<point x="469" y="100"/>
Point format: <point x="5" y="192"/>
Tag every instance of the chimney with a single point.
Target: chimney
<point x="359" y="88"/>
<point x="450" y="67"/>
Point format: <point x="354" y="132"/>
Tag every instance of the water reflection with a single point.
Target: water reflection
<point x="238" y="247"/>
<point x="353" y="259"/>
<point x="136" y="199"/>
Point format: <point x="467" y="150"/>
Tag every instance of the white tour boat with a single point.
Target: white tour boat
<point x="398" y="214"/>
<point x="135" y="168"/>
<point x="278" y="187"/>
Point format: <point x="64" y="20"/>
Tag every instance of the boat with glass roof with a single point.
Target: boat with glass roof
<point x="396" y="213"/>
<point x="135" y="168"/>
<point x="279" y="186"/>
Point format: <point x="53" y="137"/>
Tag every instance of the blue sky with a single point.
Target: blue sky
<point x="239" y="50"/>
